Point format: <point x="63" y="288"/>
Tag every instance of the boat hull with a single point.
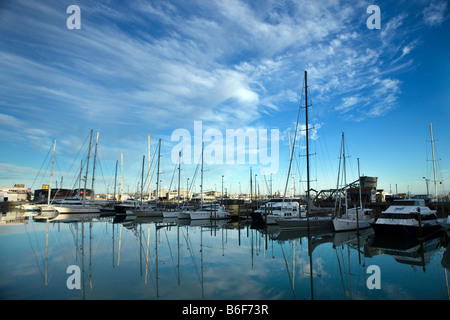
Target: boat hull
<point x="72" y="210"/>
<point x="200" y="215"/>
<point x="315" y="223"/>
<point x="340" y="224"/>
<point x="148" y="213"/>
<point x="170" y="214"/>
<point x="405" y="230"/>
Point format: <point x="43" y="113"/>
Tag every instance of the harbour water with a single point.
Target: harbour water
<point x="158" y="259"/>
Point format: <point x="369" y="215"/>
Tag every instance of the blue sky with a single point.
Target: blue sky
<point x="150" y="67"/>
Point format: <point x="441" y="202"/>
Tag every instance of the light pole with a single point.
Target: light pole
<point x="187" y="189"/>
<point x="221" y="201"/>
<point x="426" y="182"/>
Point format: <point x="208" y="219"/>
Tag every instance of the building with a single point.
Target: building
<point x="16" y="193"/>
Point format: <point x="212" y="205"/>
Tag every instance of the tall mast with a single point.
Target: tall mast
<point x="142" y="178"/>
<point x="251" y="191"/>
<point x="337" y="184"/>
<point x="434" y="164"/>
<point x="345" y="173"/>
<point x="121" y="176"/>
<point x="115" y="182"/>
<point x="87" y="168"/>
<point x="157" y="173"/>
<point x="360" y="193"/>
<point x="93" y="169"/>
<point x="51" y="174"/>
<point x="291" y="153"/>
<point x="201" y="183"/>
<point x="179" y="179"/>
<point x="360" y="201"/>
<point x="149" y="173"/>
<point x="308" y="208"/>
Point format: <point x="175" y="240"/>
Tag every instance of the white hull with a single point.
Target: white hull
<point x="46" y="208"/>
<point x="200" y="215"/>
<point x="76" y="209"/>
<point x="184" y="215"/>
<point x="170" y="214"/>
<point x="30" y="207"/>
<point x="342" y="224"/>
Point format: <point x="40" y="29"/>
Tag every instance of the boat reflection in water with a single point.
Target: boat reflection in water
<point x="134" y="257"/>
<point x="410" y="251"/>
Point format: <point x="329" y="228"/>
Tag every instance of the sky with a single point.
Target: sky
<point x="167" y="68"/>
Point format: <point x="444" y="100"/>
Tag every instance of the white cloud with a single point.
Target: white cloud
<point x="434" y="14"/>
<point x="155" y="66"/>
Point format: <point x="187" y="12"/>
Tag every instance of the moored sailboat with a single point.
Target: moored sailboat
<point x="353" y="218"/>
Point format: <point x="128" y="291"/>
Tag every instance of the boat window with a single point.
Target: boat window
<point x="404" y="203"/>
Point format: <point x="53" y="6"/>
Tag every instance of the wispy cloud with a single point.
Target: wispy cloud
<point x="152" y="67"/>
<point x="435" y="13"/>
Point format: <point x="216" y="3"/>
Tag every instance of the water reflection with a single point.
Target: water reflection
<point x="129" y="257"/>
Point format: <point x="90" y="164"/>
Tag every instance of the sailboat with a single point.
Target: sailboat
<point x="49" y="208"/>
<point x="353" y="218"/>
<point x="139" y="208"/>
<point x="308" y="222"/>
<point x="205" y="212"/>
<point x="77" y="206"/>
<point x="175" y="213"/>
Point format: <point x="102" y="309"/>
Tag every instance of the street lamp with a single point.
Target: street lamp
<point x="221" y="201"/>
<point x="426" y="182"/>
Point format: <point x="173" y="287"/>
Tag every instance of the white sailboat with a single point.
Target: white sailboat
<point x="353" y="218"/>
<point x="77" y="206"/>
<point x="218" y="212"/>
<point x="48" y="207"/>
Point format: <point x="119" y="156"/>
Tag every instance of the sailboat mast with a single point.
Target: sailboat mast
<point x="434" y="164"/>
<point x="308" y="208"/>
<point x="157" y="173"/>
<point x="251" y="191"/>
<point x="337" y="210"/>
<point x="360" y="193"/>
<point x="291" y="153"/>
<point x="142" y="177"/>
<point x="360" y="201"/>
<point x="93" y="169"/>
<point x="115" y="182"/>
<point x="179" y="179"/>
<point x="201" y="183"/>
<point x="87" y="168"/>
<point x="345" y="173"/>
<point x="149" y="173"/>
<point x="51" y="174"/>
<point x="121" y="176"/>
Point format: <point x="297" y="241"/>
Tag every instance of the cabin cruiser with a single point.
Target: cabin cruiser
<point x="276" y="210"/>
<point x="408" y="217"/>
<point x="75" y="205"/>
<point x="208" y="211"/>
<point x="129" y="204"/>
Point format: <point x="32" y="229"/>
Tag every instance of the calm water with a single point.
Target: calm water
<point x="161" y="259"/>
